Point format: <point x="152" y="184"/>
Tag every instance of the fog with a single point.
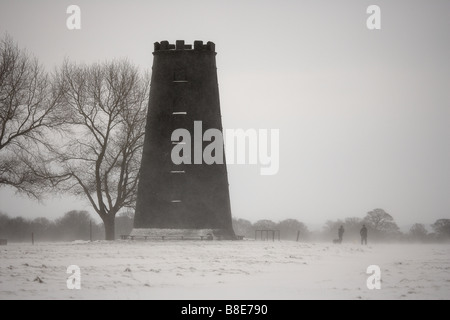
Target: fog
<point x="363" y="115"/>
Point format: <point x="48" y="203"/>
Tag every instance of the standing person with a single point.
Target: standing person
<point x="341" y="234"/>
<point x="363" y="235"/>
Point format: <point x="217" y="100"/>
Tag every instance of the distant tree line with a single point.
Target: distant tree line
<point x="381" y="227"/>
<point x="288" y="228"/>
<point x="74" y="225"/>
<point x="80" y="130"/>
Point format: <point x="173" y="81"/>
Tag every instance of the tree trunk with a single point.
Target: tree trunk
<point x="110" y="228"/>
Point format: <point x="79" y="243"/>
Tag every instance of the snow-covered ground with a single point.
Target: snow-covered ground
<point x="223" y="270"/>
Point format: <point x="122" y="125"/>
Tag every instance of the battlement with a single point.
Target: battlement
<point x="180" y="45"/>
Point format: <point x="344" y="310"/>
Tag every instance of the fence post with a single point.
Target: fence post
<point x="32" y="238"/>
<point x="90" y="230"/>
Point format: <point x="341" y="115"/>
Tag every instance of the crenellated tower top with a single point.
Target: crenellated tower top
<point x="180" y="45"/>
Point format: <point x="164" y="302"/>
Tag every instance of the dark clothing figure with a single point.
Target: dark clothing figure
<point x="341" y="234"/>
<point x="363" y="235"/>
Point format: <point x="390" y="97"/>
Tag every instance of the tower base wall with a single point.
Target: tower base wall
<point x="182" y="234"/>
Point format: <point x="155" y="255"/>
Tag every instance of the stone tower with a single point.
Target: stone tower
<point x="188" y="201"/>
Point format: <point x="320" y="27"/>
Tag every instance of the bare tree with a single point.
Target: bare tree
<point x="74" y="225"/>
<point x="29" y="108"/>
<point x="418" y="232"/>
<point x="289" y="229"/>
<point x="99" y="157"/>
<point x="243" y="227"/>
<point x="264" y="225"/>
<point x="442" y="228"/>
<point x="331" y="227"/>
<point x="381" y="223"/>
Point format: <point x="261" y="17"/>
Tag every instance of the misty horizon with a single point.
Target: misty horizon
<point x="236" y="156"/>
<point x="363" y="116"/>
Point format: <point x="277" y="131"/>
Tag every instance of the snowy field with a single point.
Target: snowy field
<point x="223" y="270"/>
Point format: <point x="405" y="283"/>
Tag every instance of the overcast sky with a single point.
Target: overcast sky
<point x="364" y="116"/>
